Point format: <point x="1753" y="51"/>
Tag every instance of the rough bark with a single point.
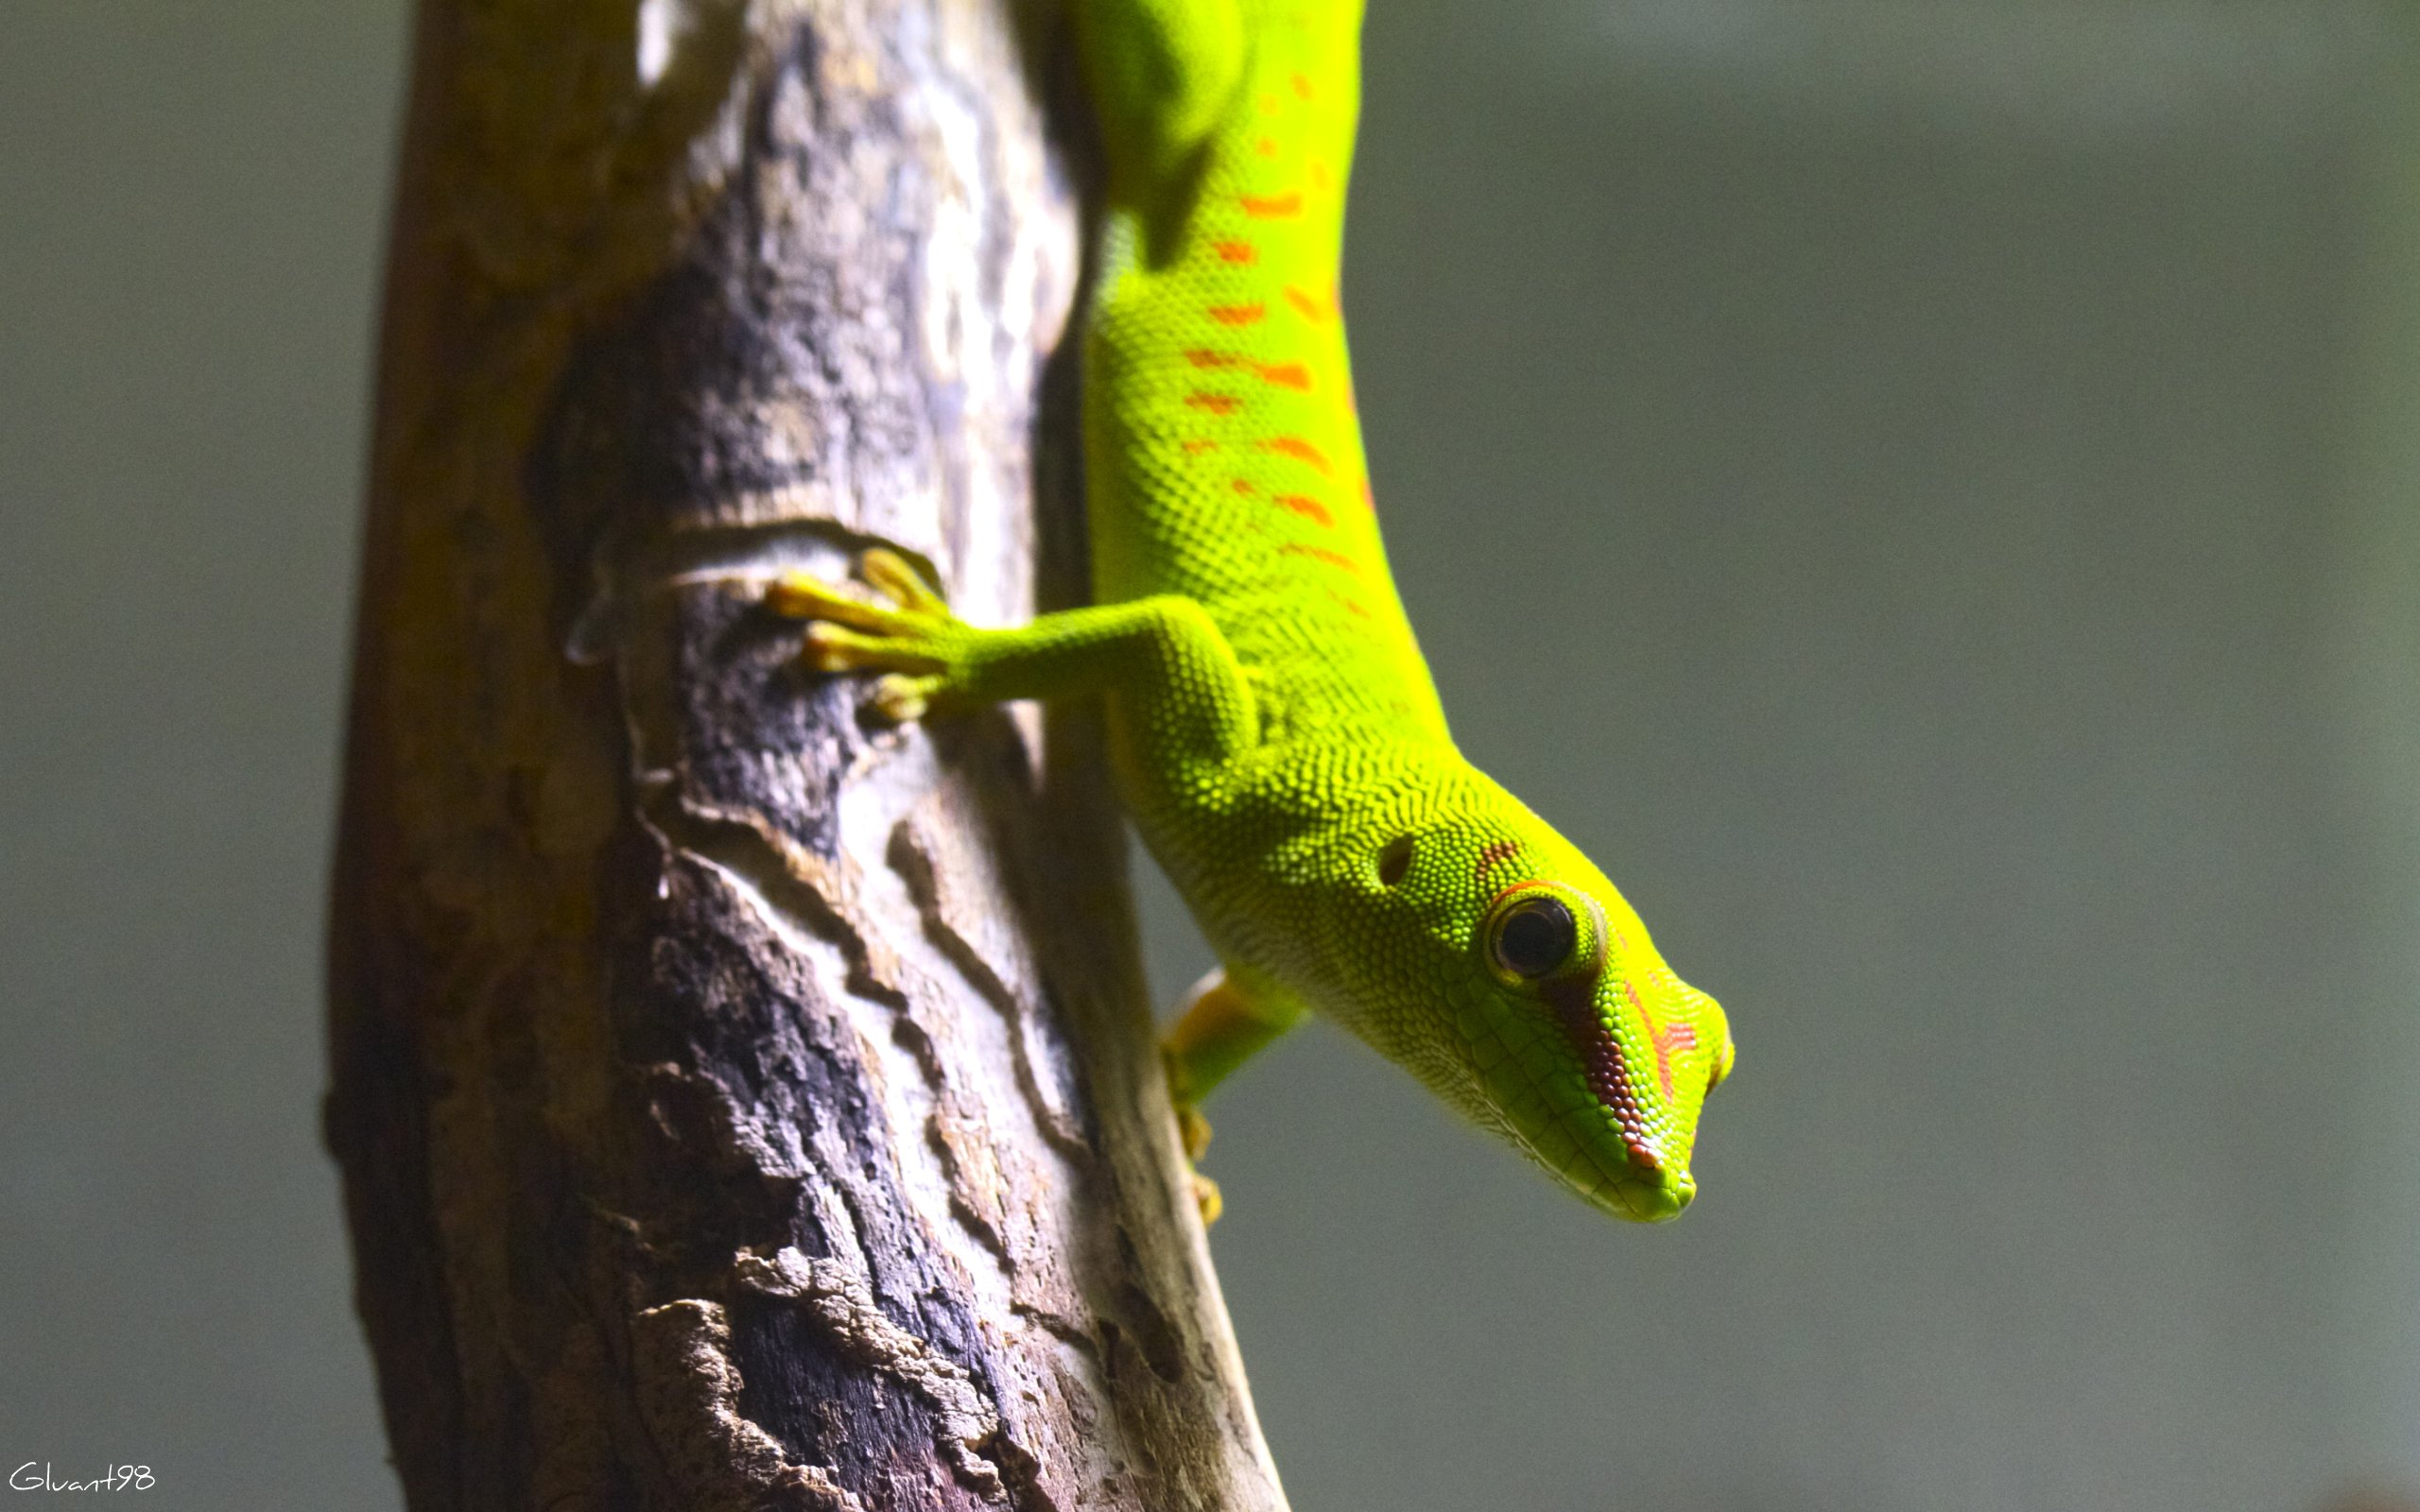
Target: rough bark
<point x="741" y="1105"/>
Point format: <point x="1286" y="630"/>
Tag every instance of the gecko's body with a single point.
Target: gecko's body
<point x="1276" y="732"/>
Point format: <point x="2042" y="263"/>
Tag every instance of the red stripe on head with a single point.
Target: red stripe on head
<point x="1309" y="508"/>
<point x="1236" y="251"/>
<point x="1287" y="375"/>
<point x="1500" y="850"/>
<point x="1215" y="404"/>
<point x="1269" y="206"/>
<point x="1237" y="314"/>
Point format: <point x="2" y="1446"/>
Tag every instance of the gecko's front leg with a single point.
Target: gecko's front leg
<point x="1161" y="659"/>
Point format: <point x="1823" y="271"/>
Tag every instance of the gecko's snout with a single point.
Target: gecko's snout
<point x="1652" y="1197"/>
<point x="1671" y="1197"/>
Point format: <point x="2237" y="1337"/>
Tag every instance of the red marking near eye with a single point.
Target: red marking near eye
<point x="1237" y="314"/>
<point x="1198" y="446"/>
<point x="1500" y="850"/>
<point x="1271" y="205"/>
<point x="1309" y="308"/>
<point x="1212" y="359"/>
<point x="1658" y="1037"/>
<point x="1300" y="450"/>
<point x="1215" y="404"/>
<point x="1302" y="86"/>
<point x="1290" y="375"/>
<point x="1236" y="251"/>
<point x="1665" y="1037"/>
<point x="1334" y="558"/>
<point x="1309" y="508"/>
<point x="1601" y="1061"/>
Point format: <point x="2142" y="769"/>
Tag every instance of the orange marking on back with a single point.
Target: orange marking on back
<point x="1267" y="147"/>
<point x="1299" y="449"/>
<point x="1215" y="404"/>
<point x="1290" y="375"/>
<point x="1237" y="314"/>
<point x="1302" y="86"/>
<point x="1367" y="496"/>
<point x="1242" y="485"/>
<point x="1198" y="446"/>
<point x="1319" y="177"/>
<point x="1334" y="558"/>
<point x="1289" y="203"/>
<point x="1201" y="358"/>
<point x="1305" y="305"/>
<point x="1347" y="605"/>
<point x="1304" y="505"/>
<point x="1237" y="251"/>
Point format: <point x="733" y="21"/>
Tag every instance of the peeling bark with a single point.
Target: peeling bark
<point x="741" y="1105"/>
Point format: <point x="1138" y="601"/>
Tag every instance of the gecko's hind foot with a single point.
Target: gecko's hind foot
<point x="1206" y="1198"/>
<point x="913" y="638"/>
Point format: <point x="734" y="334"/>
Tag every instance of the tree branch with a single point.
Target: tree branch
<point x="741" y="1105"/>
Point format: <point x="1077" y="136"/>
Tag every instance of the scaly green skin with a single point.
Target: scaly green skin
<point x="1274" y="729"/>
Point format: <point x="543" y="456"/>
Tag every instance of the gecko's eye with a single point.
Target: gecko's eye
<point x="1535" y="937"/>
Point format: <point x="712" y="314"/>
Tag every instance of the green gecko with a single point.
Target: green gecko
<point x="1274" y="731"/>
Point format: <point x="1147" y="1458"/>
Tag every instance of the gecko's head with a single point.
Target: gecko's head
<point x="1561" y="1026"/>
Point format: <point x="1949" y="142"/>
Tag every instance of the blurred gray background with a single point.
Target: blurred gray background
<point x="1918" y="487"/>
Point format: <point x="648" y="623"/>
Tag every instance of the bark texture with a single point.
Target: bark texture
<point x="742" y="1105"/>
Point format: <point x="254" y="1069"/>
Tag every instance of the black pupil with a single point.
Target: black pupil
<point x="1537" y="938"/>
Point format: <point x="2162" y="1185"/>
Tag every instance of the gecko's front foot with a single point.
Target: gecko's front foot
<point x="916" y="643"/>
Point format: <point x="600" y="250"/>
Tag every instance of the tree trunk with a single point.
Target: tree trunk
<point x="742" y="1105"/>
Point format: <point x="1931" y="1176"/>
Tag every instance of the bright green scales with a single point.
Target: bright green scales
<point x="1274" y="728"/>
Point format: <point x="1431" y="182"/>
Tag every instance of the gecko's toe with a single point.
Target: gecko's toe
<point x="896" y="578"/>
<point x="901" y="699"/>
<point x="1206" y="1198"/>
<point x="827" y="647"/>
